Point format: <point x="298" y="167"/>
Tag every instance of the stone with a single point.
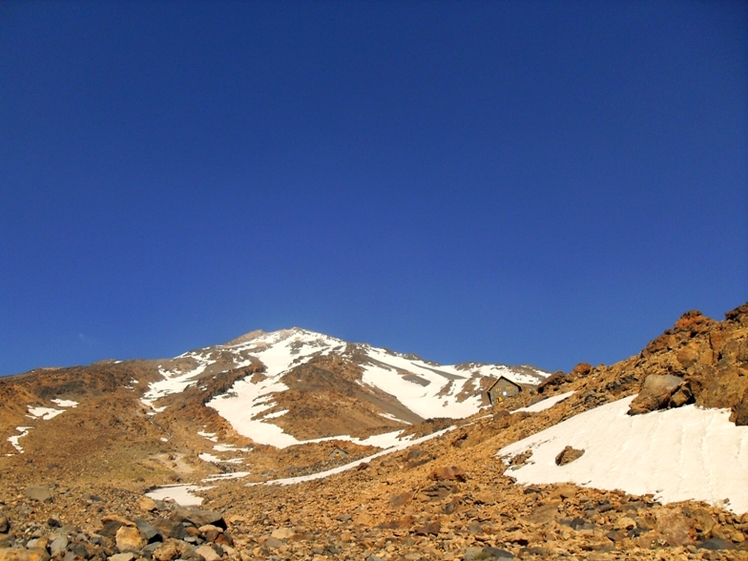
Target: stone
<point x="210" y="532"/>
<point x="129" y="556"/>
<point x="147" y="504"/>
<point x="433" y="527"/>
<point x="207" y="553"/>
<point x="568" y="455"/>
<point x="198" y="517"/>
<point x="169" y="528"/>
<point x="39" y="493"/>
<point x="129" y="538"/>
<point x="716" y="544"/>
<point x="740" y="411"/>
<point x="33" y="554"/>
<point x="4" y="525"/>
<point x="448" y="473"/>
<point x="172" y="549"/>
<point x="544" y="513"/>
<point x="58" y="546"/>
<point x="282" y="533"/>
<point x="674" y="528"/>
<point x="147" y="529"/>
<point x="655" y="393"/>
<point x="702" y="521"/>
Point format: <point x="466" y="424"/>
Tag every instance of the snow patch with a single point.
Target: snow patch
<point x="677" y="454"/>
<point x="44" y="413"/>
<point x="545" y="403"/>
<point x="180" y="494"/>
<point x="65" y="402"/>
<point x="14" y="439"/>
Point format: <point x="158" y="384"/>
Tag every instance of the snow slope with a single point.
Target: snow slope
<point x="677" y="454"/>
<point x="426" y="389"/>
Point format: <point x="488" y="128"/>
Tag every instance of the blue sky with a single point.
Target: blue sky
<point x="518" y="182"/>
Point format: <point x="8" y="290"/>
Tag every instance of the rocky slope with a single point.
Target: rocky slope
<point x="443" y="491"/>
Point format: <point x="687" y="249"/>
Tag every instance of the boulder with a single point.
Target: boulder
<point x="129" y="538"/>
<point x="39" y="493"/>
<point x="207" y="553"/>
<point x="173" y="549"/>
<point x="58" y="546"/>
<point x="147" y="504"/>
<point x="198" y="517"/>
<point x="448" y="473"/>
<point x="568" y="455"/>
<point x="655" y="393"/>
<point x="740" y="411"/>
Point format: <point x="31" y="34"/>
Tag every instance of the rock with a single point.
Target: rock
<point x="448" y="473"/>
<point x="150" y="532"/>
<point x="433" y="527"/>
<point x="655" y="393"/>
<point x="39" y="493"/>
<point x="33" y="554"/>
<point x="702" y="521"/>
<point x="674" y="528"/>
<point x="129" y="538"/>
<point x="147" y="504"/>
<point x="486" y="553"/>
<point x="172" y="549"/>
<point x="400" y="499"/>
<point x="210" y="532"/>
<point x="207" y="553"/>
<point x="568" y="455"/>
<point x="282" y="533"/>
<point x="169" y="528"/>
<point x="740" y="411"/>
<point x="4" y="525"/>
<point x="121" y="520"/>
<point x="198" y="517"/>
<point x="544" y="513"/>
<point x="129" y="556"/>
<point x="716" y="544"/>
<point x="58" y="546"/>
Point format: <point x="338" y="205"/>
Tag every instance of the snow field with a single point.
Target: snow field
<point x="677" y="454"/>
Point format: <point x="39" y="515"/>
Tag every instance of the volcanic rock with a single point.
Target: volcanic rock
<point x="655" y="393"/>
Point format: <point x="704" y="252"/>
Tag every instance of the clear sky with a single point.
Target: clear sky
<point x="517" y="182"/>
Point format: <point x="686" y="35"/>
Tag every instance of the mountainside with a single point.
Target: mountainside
<point x="644" y="459"/>
<point x="211" y="407"/>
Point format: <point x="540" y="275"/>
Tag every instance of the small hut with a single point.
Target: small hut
<point x="501" y="389"/>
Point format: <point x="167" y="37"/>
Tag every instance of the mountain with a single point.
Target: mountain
<point x="295" y="385"/>
<point x="211" y="407"/>
<point x="642" y="459"/>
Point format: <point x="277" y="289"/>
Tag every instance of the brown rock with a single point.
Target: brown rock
<point x="448" y="473"/>
<point x="171" y="549"/>
<point x="544" y="513"/>
<point x="129" y="538"/>
<point x="655" y="393"/>
<point x="210" y="532"/>
<point x="740" y="411"/>
<point x="147" y="504"/>
<point x="674" y="528"/>
<point x="401" y="499"/>
<point x="282" y="533"/>
<point x="703" y="521"/>
<point x="568" y="455"/>
<point x="33" y="554"/>
<point x="39" y="493"/>
<point x="404" y="522"/>
<point x="208" y="553"/>
<point x="433" y="527"/>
